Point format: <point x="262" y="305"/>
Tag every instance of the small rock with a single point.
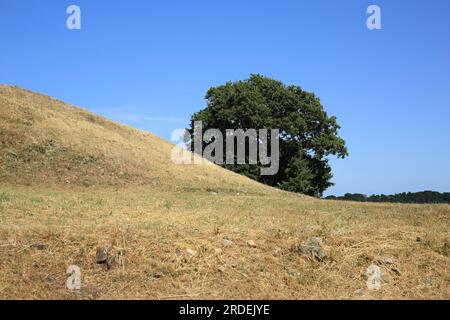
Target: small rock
<point x="178" y="252"/>
<point x="227" y="242"/>
<point x="293" y="273"/>
<point x="429" y="281"/>
<point x="217" y="251"/>
<point x="277" y="251"/>
<point x="101" y="255"/>
<point x="418" y="239"/>
<point x="314" y="248"/>
<point x="389" y="261"/>
<point x="39" y="246"/>
<point x="221" y="269"/>
<point x="191" y="253"/>
<point x="251" y="244"/>
<point x="158" y="274"/>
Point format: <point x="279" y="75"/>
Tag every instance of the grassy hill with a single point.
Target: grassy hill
<point x="72" y="182"/>
<point x="45" y="141"/>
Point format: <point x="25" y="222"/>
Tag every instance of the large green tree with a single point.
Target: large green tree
<point x="308" y="136"/>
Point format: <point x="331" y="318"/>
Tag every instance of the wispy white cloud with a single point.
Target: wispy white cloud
<point x="133" y="115"/>
<point x="142" y="119"/>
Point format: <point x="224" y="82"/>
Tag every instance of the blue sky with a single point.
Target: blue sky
<point x="149" y="64"/>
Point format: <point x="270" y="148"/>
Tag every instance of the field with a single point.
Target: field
<point x="151" y="232"/>
<point x="72" y="182"/>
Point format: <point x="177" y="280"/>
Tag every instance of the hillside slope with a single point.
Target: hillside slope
<point x="45" y="141"/>
<point x="72" y="183"/>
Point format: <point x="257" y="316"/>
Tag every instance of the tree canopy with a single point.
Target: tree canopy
<point x="307" y="135"/>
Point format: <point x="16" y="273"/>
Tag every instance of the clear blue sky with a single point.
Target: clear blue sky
<point x="150" y="63"/>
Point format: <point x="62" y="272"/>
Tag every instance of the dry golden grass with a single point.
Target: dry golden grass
<point x="99" y="184"/>
<point x="46" y="141"/>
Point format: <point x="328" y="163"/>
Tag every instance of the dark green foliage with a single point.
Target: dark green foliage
<point x="416" y="197"/>
<point x="307" y="134"/>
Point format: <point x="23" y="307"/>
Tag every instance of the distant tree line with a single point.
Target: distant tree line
<point x="405" y="197"/>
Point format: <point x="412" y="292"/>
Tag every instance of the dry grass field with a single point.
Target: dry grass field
<point x="72" y="182"/>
